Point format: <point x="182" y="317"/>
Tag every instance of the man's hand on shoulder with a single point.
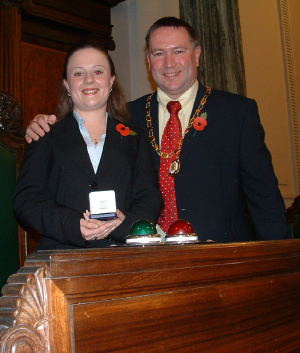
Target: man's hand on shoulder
<point x="38" y="126"/>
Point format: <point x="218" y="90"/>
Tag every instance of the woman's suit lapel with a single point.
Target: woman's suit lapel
<point x="75" y="150"/>
<point x="73" y="145"/>
<point x="112" y="145"/>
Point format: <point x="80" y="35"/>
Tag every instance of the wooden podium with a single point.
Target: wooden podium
<point x="169" y="298"/>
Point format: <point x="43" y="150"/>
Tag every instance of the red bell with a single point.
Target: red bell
<point x="181" y="227"/>
<point x="181" y="231"/>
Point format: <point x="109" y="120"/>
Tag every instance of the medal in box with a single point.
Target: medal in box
<point x="103" y="205"/>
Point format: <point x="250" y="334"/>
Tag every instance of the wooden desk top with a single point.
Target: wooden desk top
<point x="167" y="298"/>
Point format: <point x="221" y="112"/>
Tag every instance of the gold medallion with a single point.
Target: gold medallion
<point x="175" y="167"/>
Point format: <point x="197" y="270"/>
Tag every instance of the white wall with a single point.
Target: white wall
<point x="131" y="20"/>
<point x="266" y="83"/>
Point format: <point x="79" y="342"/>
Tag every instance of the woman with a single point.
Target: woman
<point x="94" y="147"/>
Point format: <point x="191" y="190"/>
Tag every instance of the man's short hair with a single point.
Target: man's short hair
<point x="172" y="22"/>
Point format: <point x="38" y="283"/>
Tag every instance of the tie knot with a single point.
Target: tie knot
<point x="174" y="107"/>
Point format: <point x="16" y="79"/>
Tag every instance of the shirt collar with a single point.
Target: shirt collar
<point x="185" y="98"/>
<point x="80" y="119"/>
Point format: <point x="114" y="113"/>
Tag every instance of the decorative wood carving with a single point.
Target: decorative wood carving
<point x="11" y="119"/>
<point x="24" y="313"/>
<point x="12" y="136"/>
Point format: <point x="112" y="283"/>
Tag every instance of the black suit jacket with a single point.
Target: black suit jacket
<point x="56" y="177"/>
<point x="219" y="166"/>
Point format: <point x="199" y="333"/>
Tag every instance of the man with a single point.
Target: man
<point x="221" y="157"/>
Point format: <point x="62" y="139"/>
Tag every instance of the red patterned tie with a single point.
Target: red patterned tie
<point x="169" y="143"/>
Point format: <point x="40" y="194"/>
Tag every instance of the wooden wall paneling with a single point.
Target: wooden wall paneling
<point x="90" y="15"/>
<point x="92" y="19"/>
<point x="52" y="24"/>
<point x="42" y="70"/>
<point x="48" y="34"/>
<point x="10" y="50"/>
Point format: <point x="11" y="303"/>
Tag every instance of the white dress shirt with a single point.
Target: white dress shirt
<point x="186" y="100"/>
<point x="95" y="152"/>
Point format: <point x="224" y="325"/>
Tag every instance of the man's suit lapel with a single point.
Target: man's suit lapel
<point x="189" y="140"/>
<point x="154" y="115"/>
<point x="73" y="146"/>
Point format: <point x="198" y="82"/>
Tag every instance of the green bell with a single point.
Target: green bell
<point x="143" y="232"/>
<point x="142" y="227"/>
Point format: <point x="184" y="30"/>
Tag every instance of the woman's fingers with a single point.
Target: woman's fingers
<point x="94" y="230"/>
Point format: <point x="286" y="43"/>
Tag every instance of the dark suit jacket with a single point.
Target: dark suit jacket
<point x="221" y="164"/>
<point x="56" y="177"/>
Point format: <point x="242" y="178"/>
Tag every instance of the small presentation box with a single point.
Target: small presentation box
<point x="103" y="205"/>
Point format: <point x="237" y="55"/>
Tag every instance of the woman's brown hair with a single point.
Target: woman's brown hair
<point x="116" y="103"/>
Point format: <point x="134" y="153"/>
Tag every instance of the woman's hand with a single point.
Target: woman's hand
<point x="93" y="229"/>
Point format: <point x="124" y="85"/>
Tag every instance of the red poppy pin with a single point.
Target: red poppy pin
<point x="124" y="130"/>
<point x="200" y="123"/>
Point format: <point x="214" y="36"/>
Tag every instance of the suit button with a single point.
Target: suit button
<point x="94" y="185"/>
